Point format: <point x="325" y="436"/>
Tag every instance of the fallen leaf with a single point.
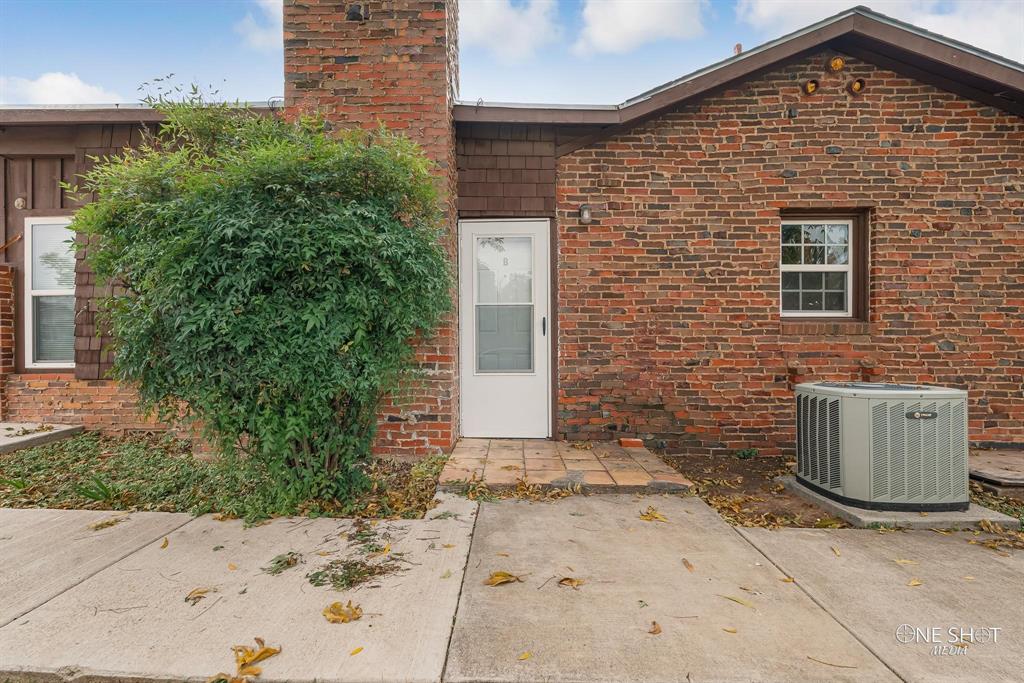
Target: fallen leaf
<point x="729" y="630"/>
<point x="498" y="578"/>
<point x="968" y="578"/>
<point x="738" y="601"/>
<point x="501" y="554"/>
<point x="107" y="523"/>
<point x="448" y="545"/>
<point x="447" y="574"/>
<point x="940" y="531"/>
<point x="836" y="551"/>
<point x="686" y="563"/>
<point x="355" y="651"/>
<point x="250" y="670"/>
<point x="232" y="566"/>
<point x="245" y="655"/>
<point x="165" y="543"/>
<point x="788" y="579"/>
<point x="325" y="553"/>
<point x="526" y="655"/>
<point x="221" y="517"/>
<point x="383" y="551"/>
<point x="196" y="595"/>
<point x="571" y="582"/>
<point x="915" y="582"/>
<point x="901" y="561"/>
<point x="652" y="515"/>
<point x="337" y="613"/>
<point x="838" y="666"/>
<point x="655" y="628"/>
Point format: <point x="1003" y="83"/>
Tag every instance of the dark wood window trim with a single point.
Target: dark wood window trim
<point x="861" y="256"/>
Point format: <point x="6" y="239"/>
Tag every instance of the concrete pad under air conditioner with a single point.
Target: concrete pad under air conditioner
<point x="17" y="435"/>
<point x="862" y="518"/>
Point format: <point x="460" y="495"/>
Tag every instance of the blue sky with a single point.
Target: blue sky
<point x="584" y="51"/>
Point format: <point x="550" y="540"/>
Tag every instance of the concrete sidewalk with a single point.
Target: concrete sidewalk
<point x="45" y="552"/>
<point x="863" y="579"/>
<point x="131" y="621"/>
<point x="88" y="604"/>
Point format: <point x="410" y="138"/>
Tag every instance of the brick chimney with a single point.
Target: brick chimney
<point x="360" y="64"/>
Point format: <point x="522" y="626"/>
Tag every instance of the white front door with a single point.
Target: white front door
<point x="504" y="323"/>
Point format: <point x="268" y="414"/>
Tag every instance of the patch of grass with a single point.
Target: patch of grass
<point x="159" y="473"/>
<point x="746" y="453"/>
<point x="345" y="574"/>
<point x="281" y="562"/>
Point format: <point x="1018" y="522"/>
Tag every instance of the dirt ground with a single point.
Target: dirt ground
<point x="745" y="493"/>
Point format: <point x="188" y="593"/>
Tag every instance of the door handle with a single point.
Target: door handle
<point x="544" y="326"/>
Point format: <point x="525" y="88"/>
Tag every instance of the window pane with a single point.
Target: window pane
<point x="504" y="338"/>
<point x="835" y="301"/>
<point x="814" y="234"/>
<point x="504" y="270"/>
<point x="791" y="301"/>
<point x="811" y="301"/>
<point x="791" y="234"/>
<point x="811" y="280"/>
<point x="791" y="280"/>
<point x="791" y="255"/>
<point x="835" y="280"/>
<point x="838" y="255"/>
<point x="53" y="329"/>
<point x="838" y="234"/>
<point x="814" y="255"/>
<point x="53" y="262"/>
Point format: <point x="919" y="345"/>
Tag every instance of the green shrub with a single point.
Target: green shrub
<point x="746" y="453"/>
<point x="274" y="277"/>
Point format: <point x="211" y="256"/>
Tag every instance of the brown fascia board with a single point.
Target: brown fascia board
<point x="517" y="113"/>
<point x="48" y="116"/>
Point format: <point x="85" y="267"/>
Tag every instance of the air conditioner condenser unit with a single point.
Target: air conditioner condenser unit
<point x="883" y="446"/>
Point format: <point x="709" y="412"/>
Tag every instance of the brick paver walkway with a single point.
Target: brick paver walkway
<point x="599" y="467"/>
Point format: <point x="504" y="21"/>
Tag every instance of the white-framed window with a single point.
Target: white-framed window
<point x="817" y="278"/>
<point x="49" y="292"/>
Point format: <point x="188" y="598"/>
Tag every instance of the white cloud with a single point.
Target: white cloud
<point x="54" y="87"/>
<point x="618" y="26"/>
<point x="993" y="25"/>
<point x="513" y="32"/>
<point x="266" y="33"/>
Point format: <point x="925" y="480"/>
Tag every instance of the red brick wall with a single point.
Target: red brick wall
<point x="668" y="302"/>
<point x="100" y="405"/>
<point x="398" y="68"/>
<point x="7" y="336"/>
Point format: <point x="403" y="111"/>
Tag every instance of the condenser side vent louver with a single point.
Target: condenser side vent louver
<point x="819" y="440"/>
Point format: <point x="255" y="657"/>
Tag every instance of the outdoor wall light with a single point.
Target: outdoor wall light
<point x="586" y="217"/>
<point x="856" y="87"/>
<point x="810" y="87"/>
<point x="836" y="64"/>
